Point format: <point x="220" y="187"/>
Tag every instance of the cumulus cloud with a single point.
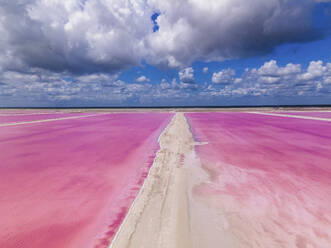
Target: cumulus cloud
<point x="89" y="36"/>
<point x="75" y="35"/>
<point x="271" y="69"/>
<point x="187" y="75"/>
<point x="142" y="79"/>
<point x="54" y="88"/>
<point x="316" y="70"/>
<point x="280" y="81"/>
<point x="224" y="76"/>
<point x="290" y="79"/>
<point x="270" y="79"/>
<point x="205" y="70"/>
<point x="226" y="29"/>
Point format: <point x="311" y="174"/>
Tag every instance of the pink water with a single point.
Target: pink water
<point x="311" y="114"/>
<point x="271" y="176"/>
<point x="70" y="183"/>
<point x="33" y="117"/>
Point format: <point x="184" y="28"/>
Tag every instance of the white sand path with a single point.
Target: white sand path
<point x="293" y="116"/>
<point x="49" y="120"/>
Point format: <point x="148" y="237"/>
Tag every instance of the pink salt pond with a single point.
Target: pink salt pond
<point x="70" y="183"/>
<point x="270" y="176"/>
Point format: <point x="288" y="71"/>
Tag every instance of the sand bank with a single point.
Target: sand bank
<point x="159" y="216"/>
<point x="166" y="213"/>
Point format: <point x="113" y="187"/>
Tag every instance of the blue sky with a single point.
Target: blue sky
<point x="156" y="53"/>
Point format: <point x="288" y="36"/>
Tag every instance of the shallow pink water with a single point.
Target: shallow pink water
<point x="33" y="117"/>
<point x="306" y="113"/>
<point x="270" y="175"/>
<point x="70" y="183"/>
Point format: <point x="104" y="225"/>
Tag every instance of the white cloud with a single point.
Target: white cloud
<point x="213" y="30"/>
<point x="327" y="80"/>
<point x="273" y="80"/>
<point x="187" y="75"/>
<point x="205" y="70"/>
<point x="78" y="36"/>
<point x="100" y="87"/>
<point x="143" y="79"/>
<point x="271" y="69"/>
<point x="224" y="76"/>
<point x="316" y="70"/>
<point x="102" y="36"/>
<point x="238" y="80"/>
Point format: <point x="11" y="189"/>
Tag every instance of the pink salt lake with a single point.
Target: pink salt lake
<point x="270" y="176"/>
<point x="69" y="183"/>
